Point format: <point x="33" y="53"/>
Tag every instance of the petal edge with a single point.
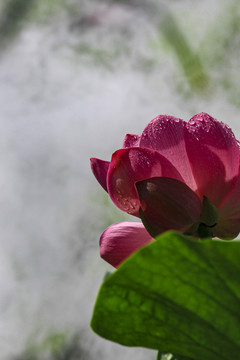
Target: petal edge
<point x="120" y="240"/>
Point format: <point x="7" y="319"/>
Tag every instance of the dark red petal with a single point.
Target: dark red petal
<point x="100" y="170"/>
<point x="167" y="204"/>
<point x="119" y="241"/>
<point x="227" y="229"/>
<point x="129" y="166"/>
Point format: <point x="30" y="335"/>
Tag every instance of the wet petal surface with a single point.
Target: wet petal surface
<point x="213" y="154"/>
<point x="131" y="140"/>
<point x="131" y="165"/>
<point x="166" y="134"/>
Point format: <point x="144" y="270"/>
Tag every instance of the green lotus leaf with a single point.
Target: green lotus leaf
<point x="177" y="295"/>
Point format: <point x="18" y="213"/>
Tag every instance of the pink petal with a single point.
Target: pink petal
<point x="129" y="166"/>
<point x="100" y="170"/>
<point x="120" y="240"/>
<point x="131" y="141"/>
<point x="168" y="204"/>
<point x="213" y="153"/>
<point x="166" y="134"/>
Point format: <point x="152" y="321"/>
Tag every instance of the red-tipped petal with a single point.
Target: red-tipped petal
<point x="100" y="170"/>
<point x="166" y="134"/>
<point x="213" y="153"/>
<point x="120" y="240"/>
<point x="168" y="204"/>
<point x="129" y="166"/>
<point x="131" y="140"/>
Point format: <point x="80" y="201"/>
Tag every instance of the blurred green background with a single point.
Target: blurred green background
<point x="77" y="76"/>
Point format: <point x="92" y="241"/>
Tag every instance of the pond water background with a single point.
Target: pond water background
<point x="74" y="80"/>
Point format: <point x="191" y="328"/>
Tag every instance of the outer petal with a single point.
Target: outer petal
<point x="131" y="165"/>
<point x="213" y="153"/>
<point x="227" y="229"/>
<point x="228" y="226"/>
<point x="100" y="170"/>
<point x="131" y="141"/>
<point x="168" y="204"/>
<point x="120" y="240"/>
<point x="230" y="207"/>
<point x="166" y="134"/>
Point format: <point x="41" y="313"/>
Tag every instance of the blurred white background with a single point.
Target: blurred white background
<point x="76" y="77"/>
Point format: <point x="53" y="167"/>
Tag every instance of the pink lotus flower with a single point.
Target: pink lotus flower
<point x="176" y="175"/>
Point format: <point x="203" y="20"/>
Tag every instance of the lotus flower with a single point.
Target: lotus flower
<point x="176" y="175"/>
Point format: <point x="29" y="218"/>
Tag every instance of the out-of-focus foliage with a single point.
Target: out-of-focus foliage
<point x="13" y="15"/>
<point x="56" y="346"/>
<point x="221" y="51"/>
<point x="189" y="61"/>
<point x="95" y="34"/>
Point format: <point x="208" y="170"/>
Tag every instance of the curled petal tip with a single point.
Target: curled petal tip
<point x="100" y="169"/>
